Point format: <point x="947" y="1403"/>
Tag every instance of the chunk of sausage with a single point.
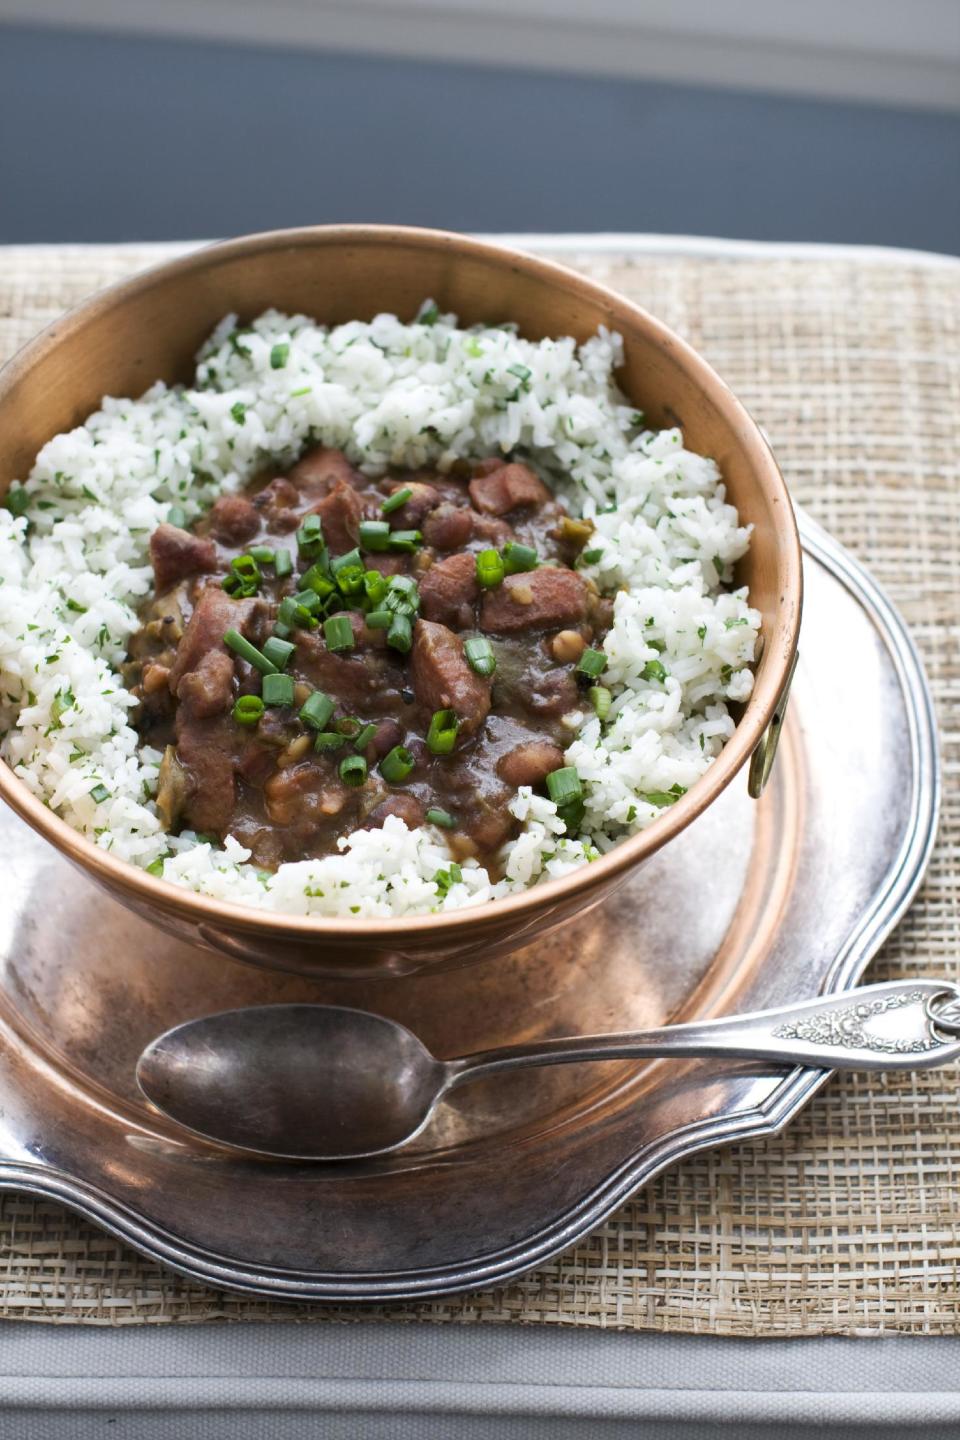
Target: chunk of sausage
<point x="208" y="690"/>
<point x="448" y="527"/>
<point x="234" y="519"/>
<point x="216" y="612"/>
<point x="341" y="512"/>
<point x="423" y="499"/>
<point x="544" y="599"/>
<point x="175" y="554"/>
<point x="449" y="590"/>
<point x="320" y="469"/>
<point x="530" y="764"/>
<point x="507" y="488"/>
<point x="442" y="679"/>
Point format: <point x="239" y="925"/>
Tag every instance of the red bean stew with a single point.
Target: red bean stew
<point x="325" y="650"/>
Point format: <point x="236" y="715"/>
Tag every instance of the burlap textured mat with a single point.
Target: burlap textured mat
<point x="850" y="1222"/>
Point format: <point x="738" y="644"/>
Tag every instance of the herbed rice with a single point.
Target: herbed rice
<point x="74" y="568"/>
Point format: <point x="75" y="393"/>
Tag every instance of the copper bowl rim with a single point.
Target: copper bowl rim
<point x="758" y="711"/>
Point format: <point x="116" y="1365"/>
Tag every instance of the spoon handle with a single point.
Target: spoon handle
<point x="877" y="1027"/>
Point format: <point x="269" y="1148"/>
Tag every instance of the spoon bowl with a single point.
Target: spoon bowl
<point x="300" y="1082"/>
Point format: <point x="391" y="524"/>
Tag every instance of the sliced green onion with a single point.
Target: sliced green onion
<point x="316" y="710"/>
<point x="601" y="699"/>
<point x="400" y="634"/>
<point x="278" y="355"/>
<point x="348" y="572"/>
<point x="308" y="600"/>
<point x="653" y="670"/>
<point x="480" y="656"/>
<point x="396" y="501"/>
<point x="374" y="534"/>
<point x="249" y="652"/>
<point x="396" y="765"/>
<point x="282" y="631"/>
<point x="329" y="740"/>
<point x="405" y="541"/>
<point x="278" y="651"/>
<point x="349" y="725"/>
<point x="176" y="515"/>
<point x="310" y="536"/>
<point x="375" y="588"/>
<point x="262" y="554"/>
<point x="517" y="557"/>
<point x="442" y="818"/>
<point x="338" y="633"/>
<point x="444" y="879"/>
<point x="282" y="563"/>
<point x="361" y="741"/>
<point x="490" y="569"/>
<point x="318" y="581"/>
<point x="405" y="585"/>
<point x="564" y="785"/>
<point x="591" y="663"/>
<point x="243" y="578"/>
<point x="248" y="709"/>
<point x="353" y="770"/>
<point x="99" y="793"/>
<point x="442" y="734"/>
<point x="380" y="619"/>
<point x="278" y="689"/>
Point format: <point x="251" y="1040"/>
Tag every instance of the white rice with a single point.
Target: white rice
<point x="386" y="393"/>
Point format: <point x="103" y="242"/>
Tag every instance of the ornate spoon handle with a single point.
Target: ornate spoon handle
<point x="901" y="1025"/>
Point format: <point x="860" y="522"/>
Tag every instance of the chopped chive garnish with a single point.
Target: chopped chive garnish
<point x="653" y="670"/>
<point x="400" y="634"/>
<point x="375" y="534"/>
<point x="363" y="738"/>
<point x="278" y="355"/>
<point x="590" y="557"/>
<point x="353" y="770"/>
<point x="282" y="563"/>
<point x="329" y="740"/>
<point x="310" y="536"/>
<point x="480" y="656"/>
<point x="262" y="554"/>
<point x="316" y="710"/>
<point x="442" y="734"/>
<point x="239" y="412"/>
<point x="564" y="785"/>
<point x="396" y="765"/>
<point x="249" y="652"/>
<point x="591" y="664"/>
<point x="518" y="558"/>
<point x="318" y="581"/>
<point x="248" y="709"/>
<point x="405" y="541"/>
<point x="601" y="699"/>
<point x="176" y="515"/>
<point x="375" y="588"/>
<point x="490" y="569"/>
<point x="396" y="501"/>
<point x="278" y="651"/>
<point x="380" y="619"/>
<point x="442" y="818"/>
<point x="278" y="689"/>
<point x="338" y="633"/>
<point x="99" y="793"/>
<point x="444" y="879"/>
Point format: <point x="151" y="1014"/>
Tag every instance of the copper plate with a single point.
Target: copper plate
<point x="755" y="904"/>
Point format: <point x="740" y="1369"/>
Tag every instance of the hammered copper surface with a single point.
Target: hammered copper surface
<point x="120" y="341"/>
<point x="755" y="904"/>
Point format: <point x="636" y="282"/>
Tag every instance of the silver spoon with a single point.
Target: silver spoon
<point x="322" y="1082"/>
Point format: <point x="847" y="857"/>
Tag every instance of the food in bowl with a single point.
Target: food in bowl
<point x="220" y="604"/>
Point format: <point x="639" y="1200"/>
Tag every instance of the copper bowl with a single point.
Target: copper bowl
<point x="121" y="340"/>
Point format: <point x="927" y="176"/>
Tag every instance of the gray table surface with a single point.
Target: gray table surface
<point x="432" y="1382"/>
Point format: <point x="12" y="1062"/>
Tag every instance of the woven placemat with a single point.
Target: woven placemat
<point x="850" y="1221"/>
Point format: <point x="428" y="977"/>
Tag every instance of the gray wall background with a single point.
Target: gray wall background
<point x="108" y="137"/>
